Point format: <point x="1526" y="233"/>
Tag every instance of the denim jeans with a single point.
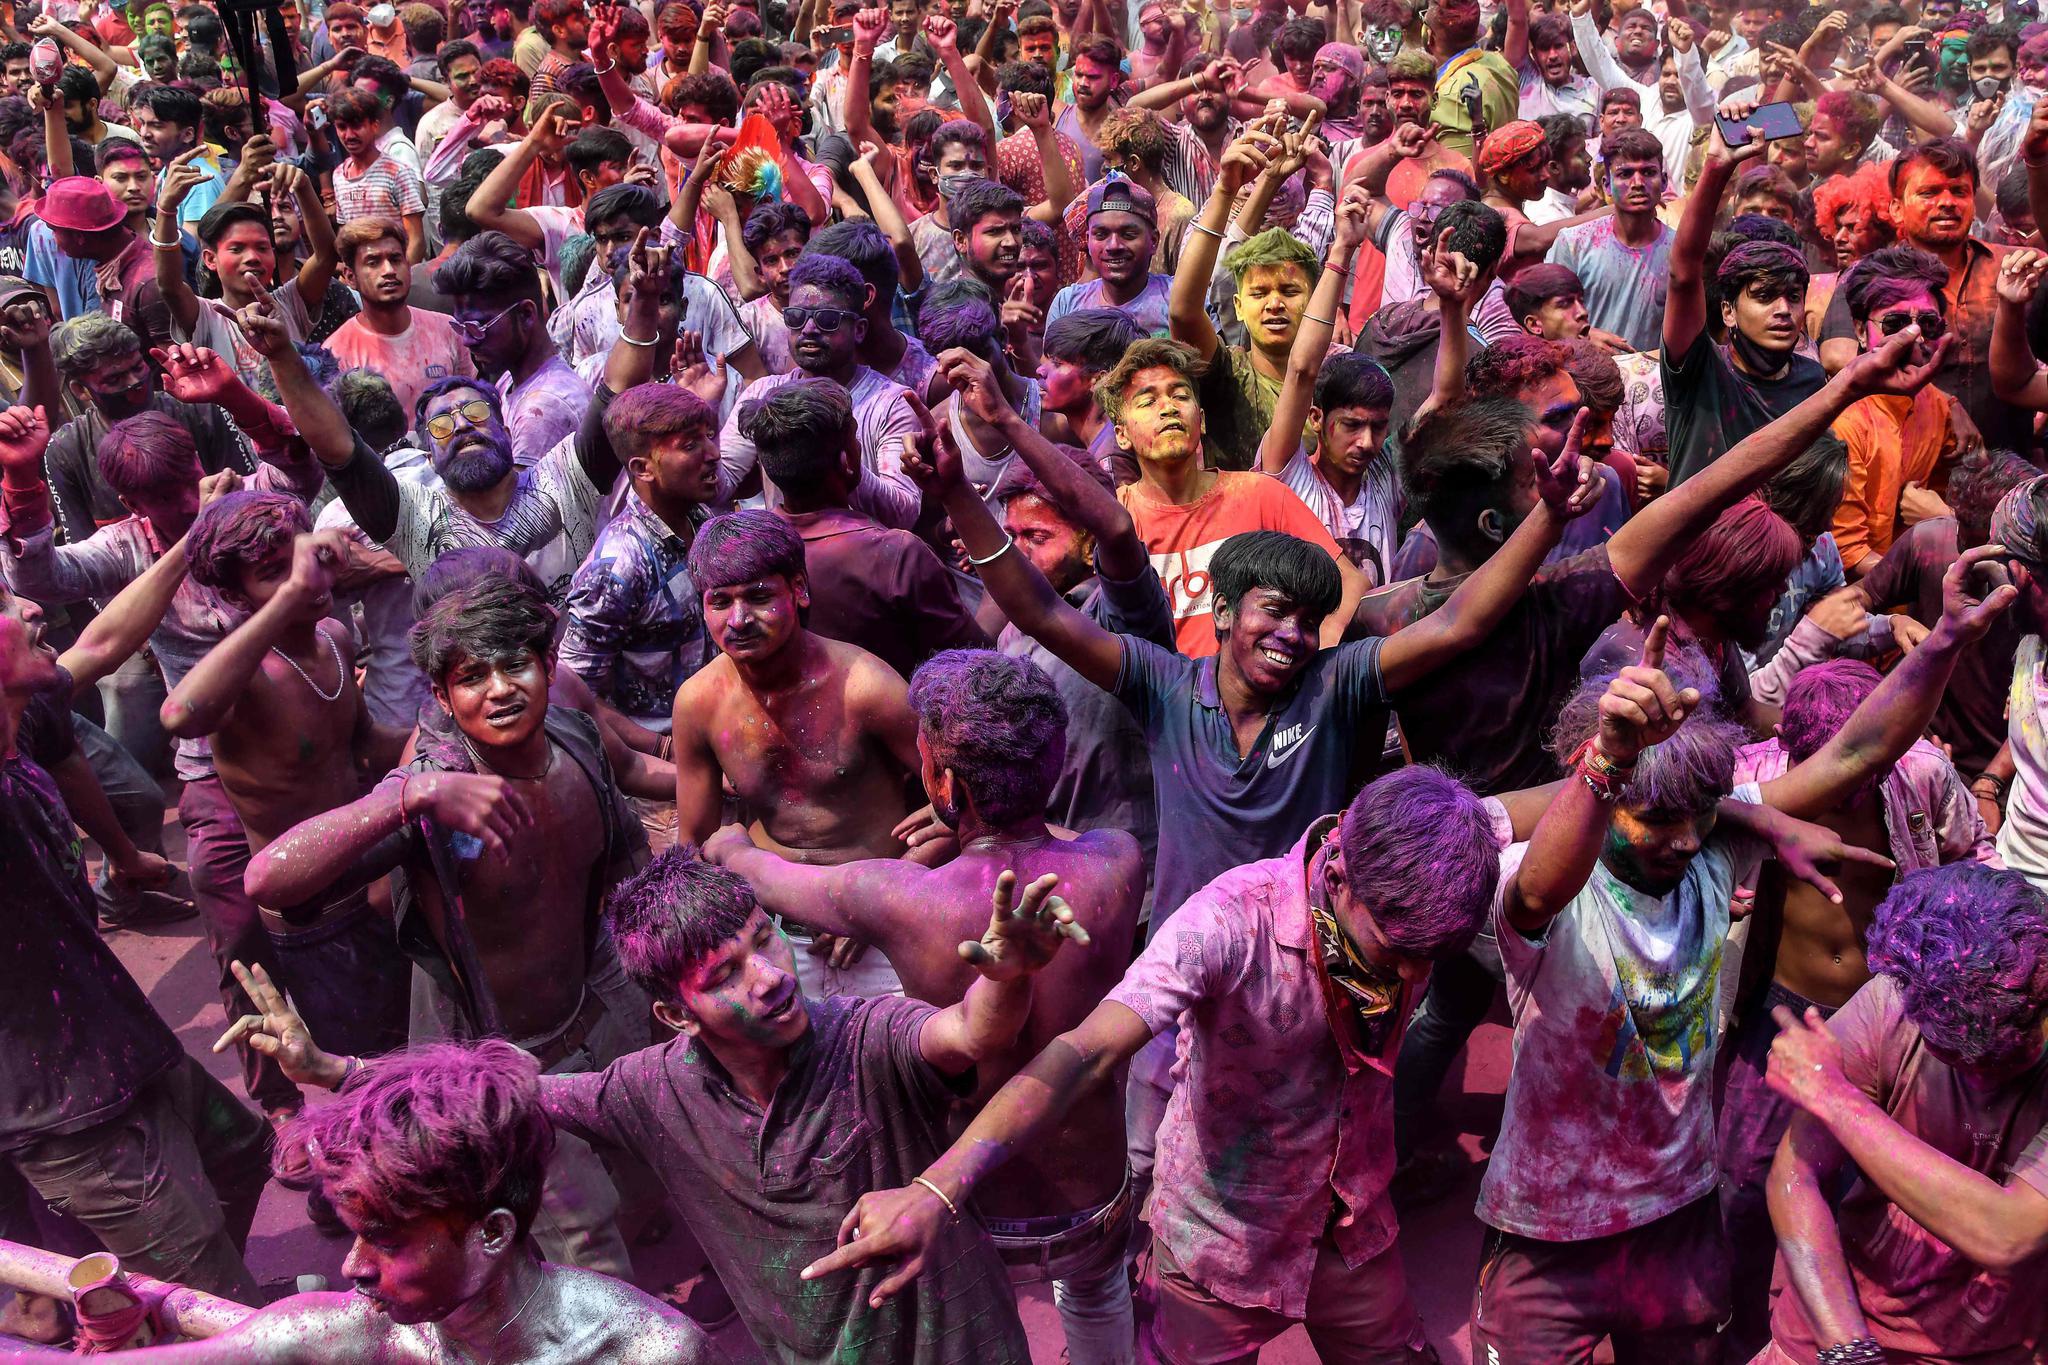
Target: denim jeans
<point x="218" y="852"/>
<point x="1461" y="993"/>
<point x="346" y="977"/>
<point x="137" y="801"/>
<point x="133" y="698"/>
<point x="1083" y="1255"/>
<point x="169" y="1185"/>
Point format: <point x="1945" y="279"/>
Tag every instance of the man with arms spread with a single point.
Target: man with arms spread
<point x="991" y="732"/>
<point x="435" y="1161"/>
<point x="814" y="737"/>
<point x="771" y="1113"/>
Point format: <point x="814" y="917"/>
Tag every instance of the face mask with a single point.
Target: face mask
<point x="1988" y="87"/>
<point x="950" y="185"/>
<point x="1382" y="42"/>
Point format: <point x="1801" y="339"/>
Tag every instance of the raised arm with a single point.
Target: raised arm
<point x="944" y="36"/>
<point x="1685" y="303"/>
<point x="1569" y="485"/>
<point x="1998" y="1226"/>
<point x="1025" y="930"/>
<point x="1187" y="302"/>
<point x="1312" y="337"/>
<point x="1078" y="494"/>
<point x="1031" y="111"/>
<point x="104" y="68"/>
<point x="870" y="900"/>
<point x="181" y="177"/>
<point x="317" y="271"/>
<point x="868" y="27"/>
<point x="1879" y="731"/>
<point x="1652" y="540"/>
<point x="2016" y="376"/>
<point x="205" y="697"/>
<point x="888" y="216"/>
<point x="1514" y="44"/>
<point x="491" y="206"/>
<point x="124" y="624"/>
<point x="1012" y="580"/>
<point x="1458" y="285"/>
<point x="1601" y="63"/>
<point x="1641" y="708"/>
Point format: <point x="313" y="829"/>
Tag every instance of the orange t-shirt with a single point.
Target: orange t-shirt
<point x="1893" y="440"/>
<point x="1183" y="539"/>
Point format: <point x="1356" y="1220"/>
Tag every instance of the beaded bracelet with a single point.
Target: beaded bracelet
<point x="1862" y="1351"/>
<point x="1600" y="773"/>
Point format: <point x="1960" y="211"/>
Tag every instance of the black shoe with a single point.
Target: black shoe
<point x="1426" y="1177"/>
<point x="702" y="1299"/>
<point x="321" y="1210"/>
<point x="151" y="909"/>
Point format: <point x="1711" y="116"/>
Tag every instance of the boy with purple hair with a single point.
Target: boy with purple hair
<point x="1805" y="951"/>
<point x="1610" y="922"/>
<point x="1930" y="1080"/>
<point x="435" y="1161"/>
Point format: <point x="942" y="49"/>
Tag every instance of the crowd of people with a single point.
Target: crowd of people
<point x="1012" y="619"/>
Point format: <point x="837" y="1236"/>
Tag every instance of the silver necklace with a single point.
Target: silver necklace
<point x="340" y="673"/>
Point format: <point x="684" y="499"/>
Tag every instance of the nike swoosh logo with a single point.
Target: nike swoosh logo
<point x="1280" y="753"/>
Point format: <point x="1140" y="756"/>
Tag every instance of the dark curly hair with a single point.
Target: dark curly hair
<point x="1967" y="947"/>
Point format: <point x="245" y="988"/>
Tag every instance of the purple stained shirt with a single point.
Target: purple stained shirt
<point x="1267" y="1140"/>
<point x="543" y="410"/>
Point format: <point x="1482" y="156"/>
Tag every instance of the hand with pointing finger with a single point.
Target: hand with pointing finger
<point x="1642" y="708"/>
<point x="1570" y="484"/>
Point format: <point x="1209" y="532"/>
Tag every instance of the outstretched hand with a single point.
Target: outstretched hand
<point x="2019" y="275"/>
<point x="1024" y="933"/>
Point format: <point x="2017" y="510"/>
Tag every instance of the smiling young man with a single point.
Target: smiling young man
<point x="237" y="246"/>
<point x="770" y="1114"/>
<point x="435" y="1161"/>
<point x="1714" y="396"/>
<point x="1122" y="234"/>
<point x="412" y="348"/>
<point x="506" y="830"/>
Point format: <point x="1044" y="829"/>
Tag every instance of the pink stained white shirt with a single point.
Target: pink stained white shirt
<point x="1267" y="1140"/>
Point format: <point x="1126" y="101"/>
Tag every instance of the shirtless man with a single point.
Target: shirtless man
<point x="502" y="882"/>
<point x="992" y="733"/>
<point x="815" y="737"/>
<point x="1920" y="814"/>
<point x="287" y="671"/>
<point x="435" y="1162"/>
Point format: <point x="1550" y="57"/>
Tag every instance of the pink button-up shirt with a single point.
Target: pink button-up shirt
<point x="1266" y="1136"/>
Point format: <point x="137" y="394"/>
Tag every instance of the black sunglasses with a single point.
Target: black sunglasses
<point x="1933" y="326"/>
<point x="828" y="319"/>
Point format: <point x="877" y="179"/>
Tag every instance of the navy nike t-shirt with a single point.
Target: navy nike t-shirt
<point x="1217" y="810"/>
